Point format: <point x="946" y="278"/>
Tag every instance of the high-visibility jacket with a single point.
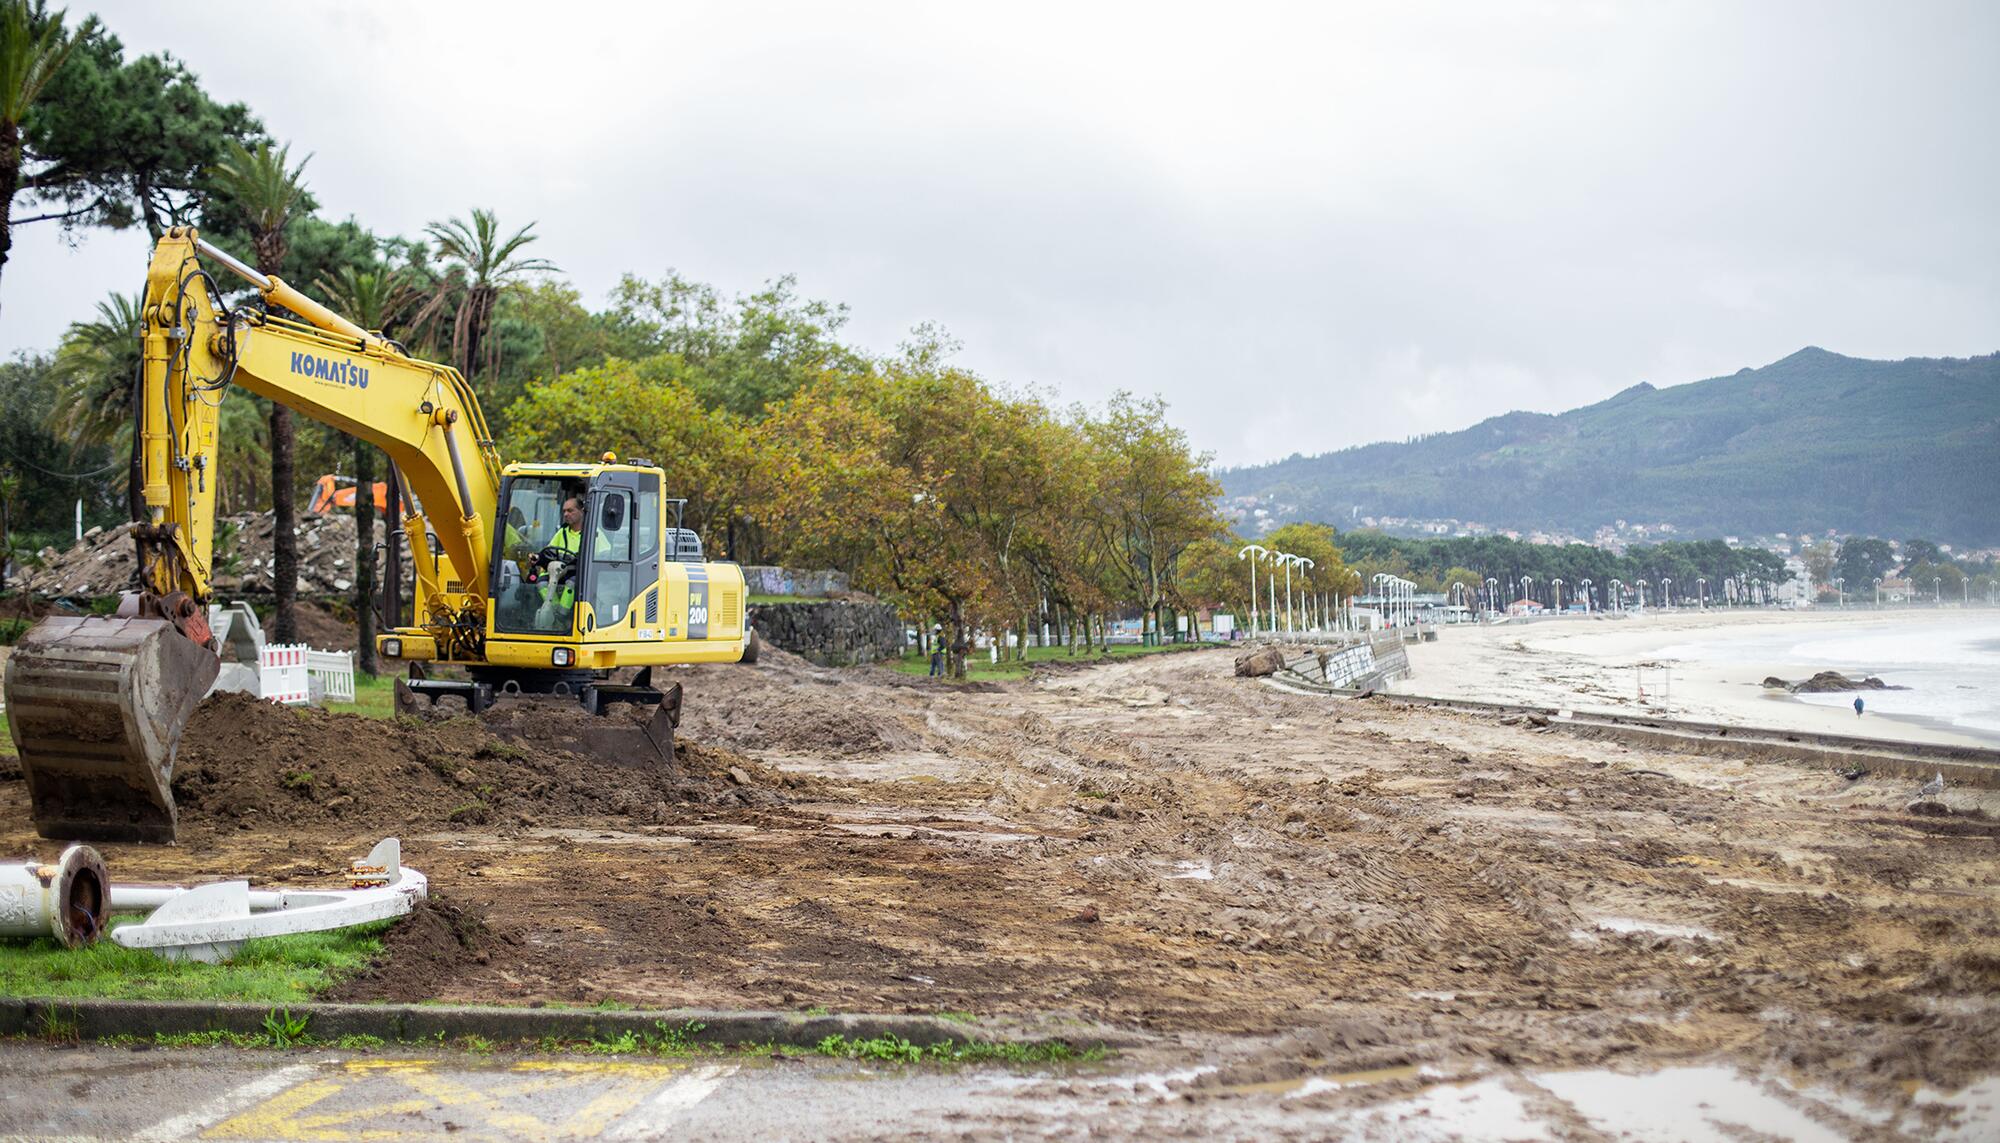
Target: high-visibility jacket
<point x="568" y="541"/>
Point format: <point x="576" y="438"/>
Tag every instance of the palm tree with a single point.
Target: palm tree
<point x="32" y="47"/>
<point x="95" y="368"/>
<point x="483" y="263"/>
<point x="270" y="190"/>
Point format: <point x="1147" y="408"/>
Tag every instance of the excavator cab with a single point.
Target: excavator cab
<point x="538" y="566"/>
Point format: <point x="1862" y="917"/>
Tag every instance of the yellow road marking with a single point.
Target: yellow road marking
<point x="297" y="1112"/>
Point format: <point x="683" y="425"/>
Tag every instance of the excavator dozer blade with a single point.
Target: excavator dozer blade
<point x="96" y="707"/>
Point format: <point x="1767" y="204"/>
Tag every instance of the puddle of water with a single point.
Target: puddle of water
<point x="1657" y="928"/>
<point x="1192" y="871"/>
<point x="1310" y="1085"/>
<point x="1682" y="1105"/>
<point x="1483" y="1109"/>
<point x="1978" y="1108"/>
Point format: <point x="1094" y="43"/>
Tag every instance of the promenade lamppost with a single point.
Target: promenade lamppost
<point x="1840" y="588"/>
<point x="1701" y="592"/>
<point x="1667" y="592"/>
<point x="1493" y="595"/>
<point x="1557" y="584"/>
<point x="1290" y="562"/>
<point x="1614" y="597"/>
<point x="1586" y="584"/>
<point x="1878" y="591"/>
<point x="1271" y="583"/>
<point x="1937" y="590"/>
<point x="1253" y="552"/>
<point x="1527" y="585"/>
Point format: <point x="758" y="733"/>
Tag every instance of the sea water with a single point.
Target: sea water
<point x="1951" y="666"/>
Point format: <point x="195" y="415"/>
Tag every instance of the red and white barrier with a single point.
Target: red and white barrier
<point x="282" y="676"/>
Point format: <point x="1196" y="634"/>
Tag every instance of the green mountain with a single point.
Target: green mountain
<point x="1816" y="441"/>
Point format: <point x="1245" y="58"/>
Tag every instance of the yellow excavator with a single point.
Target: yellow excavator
<point x="533" y="578"/>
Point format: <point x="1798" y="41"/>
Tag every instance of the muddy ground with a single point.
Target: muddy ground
<point x="1155" y="847"/>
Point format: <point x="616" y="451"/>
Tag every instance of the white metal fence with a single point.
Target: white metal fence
<point x="333" y="673"/>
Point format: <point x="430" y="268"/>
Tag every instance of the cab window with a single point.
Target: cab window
<point x="536" y="565"/>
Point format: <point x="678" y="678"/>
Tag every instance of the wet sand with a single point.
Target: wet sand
<point x="1605" y="663"/>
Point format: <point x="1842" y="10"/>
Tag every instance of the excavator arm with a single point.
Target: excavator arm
<point x="423" y="415"/>
<point x="96" y="705"/>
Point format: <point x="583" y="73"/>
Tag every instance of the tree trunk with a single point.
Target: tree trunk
<point x="364" y="556"/>
<point x="10" y="181"/>
<point x="284" y="529"/>
<point x="956" y="660"/>
<point x="270" y="249"/>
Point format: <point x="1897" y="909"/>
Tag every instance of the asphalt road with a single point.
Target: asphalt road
<point x="97" y="1092"/>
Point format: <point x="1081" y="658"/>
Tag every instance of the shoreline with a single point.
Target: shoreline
<point x="1655" y="665"/>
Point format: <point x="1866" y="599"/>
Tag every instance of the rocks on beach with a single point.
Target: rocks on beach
<point x="1829" y="682"/>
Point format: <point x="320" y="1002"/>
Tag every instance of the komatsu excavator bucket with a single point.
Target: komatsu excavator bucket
<point x="96" y="707"/>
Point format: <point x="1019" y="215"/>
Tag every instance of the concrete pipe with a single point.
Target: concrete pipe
<point x="65" y="900"/>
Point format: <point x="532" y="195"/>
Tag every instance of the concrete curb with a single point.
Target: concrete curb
<point x="98" y="1019"/>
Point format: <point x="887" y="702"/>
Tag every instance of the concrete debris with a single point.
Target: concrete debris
<point x="105" y="561"/>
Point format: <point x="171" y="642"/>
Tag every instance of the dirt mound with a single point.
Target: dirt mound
<point x="426" y="950"/>
<point x="787" y="705"/>
<point x="244" y="763"/>
<point x="321" y="629"/>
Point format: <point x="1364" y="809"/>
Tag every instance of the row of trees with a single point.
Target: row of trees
<point x="1434" y="565"/>
<point x="1858" y="562"/>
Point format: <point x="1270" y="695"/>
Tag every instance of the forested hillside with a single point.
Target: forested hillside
<point x="1812" y="442"/>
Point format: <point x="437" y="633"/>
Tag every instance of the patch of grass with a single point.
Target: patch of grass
<point x="977" y="666"/>
<point x="759" y="597"/>
<point x="58" y="1026"/>
<point x="896" y="1050"/>
<point x="666" y="1040"/>
<point x="6" y="736"/>
<point x="374" y="696"/>
<point x="301" y="780"/>
<point x="283" y="1029"/>
<point x="818" y="1010"/>
<point x="272" y="970"/>
<point x="13" y="627"/>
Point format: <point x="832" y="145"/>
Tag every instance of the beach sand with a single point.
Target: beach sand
<point x="1600" y="663"/>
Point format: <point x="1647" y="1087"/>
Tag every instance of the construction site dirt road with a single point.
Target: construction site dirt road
<point x="1286" y="886"/>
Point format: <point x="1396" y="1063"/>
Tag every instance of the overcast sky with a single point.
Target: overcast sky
<point x="1306" y="227"/>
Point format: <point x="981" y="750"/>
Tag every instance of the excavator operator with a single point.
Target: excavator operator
<point x="557" y="559"/>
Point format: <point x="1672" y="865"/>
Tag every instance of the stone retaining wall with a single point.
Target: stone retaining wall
<point x="764" y="580"/>
<point x="831" y="633"/>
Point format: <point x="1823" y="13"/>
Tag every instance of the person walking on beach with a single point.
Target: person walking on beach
<point x="1857" y="706"/>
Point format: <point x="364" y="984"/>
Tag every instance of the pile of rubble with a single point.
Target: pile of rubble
<point x="105" y="561"/>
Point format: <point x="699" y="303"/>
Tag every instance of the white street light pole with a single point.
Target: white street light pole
<point x="1587" y="585"/>
<point x="1252" y="551"/>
